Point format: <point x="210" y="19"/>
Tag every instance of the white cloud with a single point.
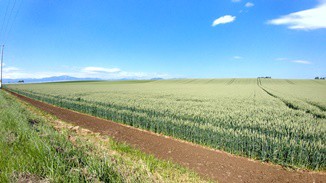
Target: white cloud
<point x="100" y="70"/>
<point x="310" y="19"/>
<point x="223" y="20"/>
<point x="294" y="61"/>
<point x="116" y="73"/>
<point x="140" y="75"/>
<point x="281" y="59"/>
<point x="10" y="69"/>
<point x="19" y="74"/>
<point x="86" y="72"/>
<point x="249" y="4"/>
<point x="237" y="57"/>
<point x="301" y="61"/>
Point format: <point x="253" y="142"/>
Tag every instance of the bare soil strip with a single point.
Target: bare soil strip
<point x="209" y="163"/>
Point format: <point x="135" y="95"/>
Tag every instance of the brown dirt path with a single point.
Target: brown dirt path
<point x="209" y="163"/>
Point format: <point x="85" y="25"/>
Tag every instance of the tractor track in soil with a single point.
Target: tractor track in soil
<point x="209" y="163"/>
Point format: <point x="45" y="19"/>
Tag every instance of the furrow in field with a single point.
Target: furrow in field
<point x="322" y="108"/>
<point x="293" y="106"/>
<point x="230" y="82"/>
<point x="290" y="82"/>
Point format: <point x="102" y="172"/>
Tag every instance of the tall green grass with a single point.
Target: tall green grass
<point x="30" y="148"/>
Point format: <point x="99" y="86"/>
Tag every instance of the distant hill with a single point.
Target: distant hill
<point x="48" y="79"/>
<point x="157" y="79"/>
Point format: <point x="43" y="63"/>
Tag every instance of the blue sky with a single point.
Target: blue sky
<point x="170" y="39"/>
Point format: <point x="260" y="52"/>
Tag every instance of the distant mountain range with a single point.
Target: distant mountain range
<point x="48" y="79"/>
<point x="59" y="79"/>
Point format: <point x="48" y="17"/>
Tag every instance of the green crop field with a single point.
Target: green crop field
<point x="280" y="121"/>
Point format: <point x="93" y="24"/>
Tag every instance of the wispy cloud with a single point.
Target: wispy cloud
<point x="237" y="57"/>
<point x="249" y="4"/>
<point x="20" y="74"/>
<point x="117" y="73"/>
<point x="86" y="72"/>
<point x="100" y="70"/>
<point x="281" y="59"/>
<point x="294" y="61"/>
<point x="310" y="19"/>
<point x="223" y="20"/>
<point x="10" y="69"/>
<point x="301" y="61"/>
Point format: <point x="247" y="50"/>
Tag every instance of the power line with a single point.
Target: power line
<point x="12" y="22"/>
<point x="8" y="20"/>
<point x="4" y="19"/>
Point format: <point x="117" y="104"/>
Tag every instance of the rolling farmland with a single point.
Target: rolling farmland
<point x="280" y="121"/>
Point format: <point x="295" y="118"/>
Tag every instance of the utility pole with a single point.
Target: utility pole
<point x="3" y="46"/>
